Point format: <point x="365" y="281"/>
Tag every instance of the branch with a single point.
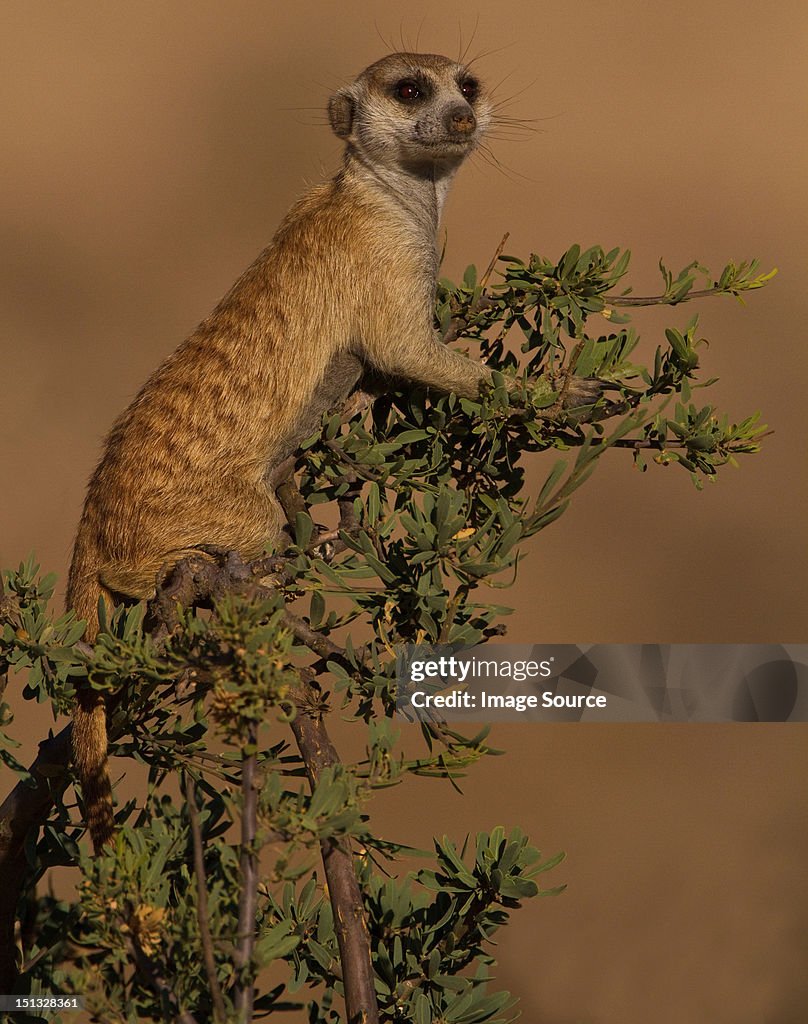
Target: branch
<point x="26" y="807"/>
<point x="322" y="645"/>
<point x="317" y="642"/>
<point x="219" y="1010"/>
<point x="245" y="988"/>
<point x="291" y="499"/>
<point x="318" y="752"/>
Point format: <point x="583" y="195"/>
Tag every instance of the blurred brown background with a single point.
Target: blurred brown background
<point x="149" y="151"/>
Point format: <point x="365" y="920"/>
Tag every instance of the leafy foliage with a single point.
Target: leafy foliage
<point x="427" y="494"/>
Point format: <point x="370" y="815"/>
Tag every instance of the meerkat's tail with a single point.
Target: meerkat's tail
<point x="90" y="713"/>
<point x="90" y="760"/>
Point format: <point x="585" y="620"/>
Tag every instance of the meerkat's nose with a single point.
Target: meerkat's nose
<point x="460" y="119"/>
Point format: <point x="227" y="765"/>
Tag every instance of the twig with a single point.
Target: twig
<point x="645" y="442"/>
<point x="348" y="521"/>
<point x="347" y="516"/>
<point x="282" y="478"/>
<point x="291" y="500"/>
<point x="326" y="537"/>
<point x="459" y="323"/>
<point x="355" y="403"/>
<point x="482" y="301"/>
<point x="490" y="268"/>
<point x="219" y="1010"/>
<point x="635" y="444"/>
<point x="451" y="608"/>
<point x="320" y="644"/>
<point x="661" y="300"/>
<point x="315" y="641"/>
<point x="245" y="987"/>
<point x="7" y="606"/>
<point x="356" y="467"/>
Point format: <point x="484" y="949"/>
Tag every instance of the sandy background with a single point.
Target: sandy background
<point x="148" y="153"/>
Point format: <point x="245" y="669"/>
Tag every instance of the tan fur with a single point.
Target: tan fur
<point x="346" y="286"/>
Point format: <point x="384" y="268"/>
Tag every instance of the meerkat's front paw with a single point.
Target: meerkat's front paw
<point x="575" y="391"/>
<point x="557" y="396"/>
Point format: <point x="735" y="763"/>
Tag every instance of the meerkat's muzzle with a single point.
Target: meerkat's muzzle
<point x="460" y="120"/>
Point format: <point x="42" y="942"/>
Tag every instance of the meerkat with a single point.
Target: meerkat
<point x="346" y="287"/>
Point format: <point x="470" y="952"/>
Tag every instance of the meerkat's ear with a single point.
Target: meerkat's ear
<point x="341" y="112"/>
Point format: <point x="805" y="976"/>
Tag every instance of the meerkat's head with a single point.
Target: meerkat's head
<point x="418" y="111"/>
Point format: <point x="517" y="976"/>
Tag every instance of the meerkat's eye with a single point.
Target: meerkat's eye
<point x="470" y="87"/>
<point x="407" y="90"/>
